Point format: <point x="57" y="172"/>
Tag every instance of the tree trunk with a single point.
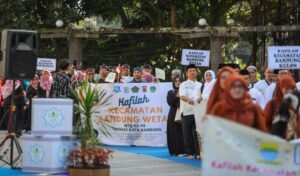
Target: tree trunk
<point x="75" y="50"/>
<point x="173" y="15"/>
<point x="130" y="37"/>
<point x="216" y="52"/>
<point x="57" y="48"/>
<point x="253" y="58"/>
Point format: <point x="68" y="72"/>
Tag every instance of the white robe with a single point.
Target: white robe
<point x="257" y="97"/>
<point x="262" y="86"/>
<point x="208" y="86"/>
<point x="207" y="89"/>
<point x="270" y="92"/>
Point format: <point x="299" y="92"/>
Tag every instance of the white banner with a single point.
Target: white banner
<point x="46" y="64"/>
<point x="137" y="111"/>
<point x="231" y="149"/>
<point x="284" y="57"/>
<point x="197" y="57"/>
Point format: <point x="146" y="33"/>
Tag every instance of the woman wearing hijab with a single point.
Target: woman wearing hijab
<point x="286" y="85"/>
<point x="206" y="88"/>
<point x="217" y="93"/>
<point x="19" y="101"/>
<point x="77" y="78"/>
<point x="46" y="82"/>
<point x="148" y="78"/>
<point x="286" y="123"/>
<point x="32" y="92"/>
<point x="174" y="129"/>
<point x="238" y="106"/>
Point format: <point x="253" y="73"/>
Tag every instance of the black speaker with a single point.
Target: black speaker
<point x="19" y="54"/>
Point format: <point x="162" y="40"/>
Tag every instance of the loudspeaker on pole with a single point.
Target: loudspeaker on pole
<point x="19" y="54"/>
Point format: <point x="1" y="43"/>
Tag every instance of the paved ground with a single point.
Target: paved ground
<point x="129" y="164"/>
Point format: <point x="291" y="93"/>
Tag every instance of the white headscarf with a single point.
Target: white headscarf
<point x="213" y="75"/>
<point x="208" y="86"/>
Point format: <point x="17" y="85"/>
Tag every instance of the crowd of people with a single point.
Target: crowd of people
<point x="46" y="84"/>
<point x="231" y="93"/>
<point x="270" y="104"/>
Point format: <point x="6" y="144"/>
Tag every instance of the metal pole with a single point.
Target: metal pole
<point x="13" y="109"/>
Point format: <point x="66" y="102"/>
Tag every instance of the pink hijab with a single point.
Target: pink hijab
<point x="46" y="81"/>
<point x="7" y="88"/>
<point x="78" y="76"/>
<point x="148" y="77"/>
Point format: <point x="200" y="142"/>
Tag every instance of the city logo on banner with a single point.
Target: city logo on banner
<point x="117" y="89"/>
<point x="53" y="117"/>
<point x="269" y="153"/>
<point x="126" y="89"/>
<point x="152" y="89"/>
<point x="145" y="89"/>
<point x="37" y="153"/>
<point x="135" y="89"/>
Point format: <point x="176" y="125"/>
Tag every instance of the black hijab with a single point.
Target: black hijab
<point x="174" y="84"/>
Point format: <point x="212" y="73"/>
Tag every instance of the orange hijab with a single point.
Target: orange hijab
<point x="287" y="82"/>
<point x="272" y="106"/>
<point x="217" y="92"/>
<point x="229" y="102"/>
<point x="239" y="110"/>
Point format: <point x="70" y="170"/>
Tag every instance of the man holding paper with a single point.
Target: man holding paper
<point x="189" y="92"/>
<point x="103" y="72"/>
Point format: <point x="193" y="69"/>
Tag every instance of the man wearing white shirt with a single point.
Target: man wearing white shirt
<point x="263" y="84"/>
<point x="271" y="89"/>
<point x="256" y="96"/>
<point x="252" y="71"/>
<point x="189" y="92"/>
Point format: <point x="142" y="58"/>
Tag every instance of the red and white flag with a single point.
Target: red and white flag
<point x="119" y="69"/>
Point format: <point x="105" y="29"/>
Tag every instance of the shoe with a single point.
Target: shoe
<point x="181" y="155"/>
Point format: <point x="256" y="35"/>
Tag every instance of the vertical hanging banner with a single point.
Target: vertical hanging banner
<point x="231" y="149"/>
<point x="284" y="57"/>
<point x="197" y="57"/>
<point x="137" y="112"/>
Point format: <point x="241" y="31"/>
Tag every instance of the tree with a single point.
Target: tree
<point x="156" y="48"/>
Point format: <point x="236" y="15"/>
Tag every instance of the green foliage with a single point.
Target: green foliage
<point x="88" y="98"/>
<point x="163" y="51"/>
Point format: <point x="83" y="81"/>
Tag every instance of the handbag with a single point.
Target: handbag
<point x="178" y="116"/>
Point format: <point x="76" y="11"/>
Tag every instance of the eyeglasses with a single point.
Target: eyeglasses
<point x="283" y="72"/>
<point x="237" y="86"/>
